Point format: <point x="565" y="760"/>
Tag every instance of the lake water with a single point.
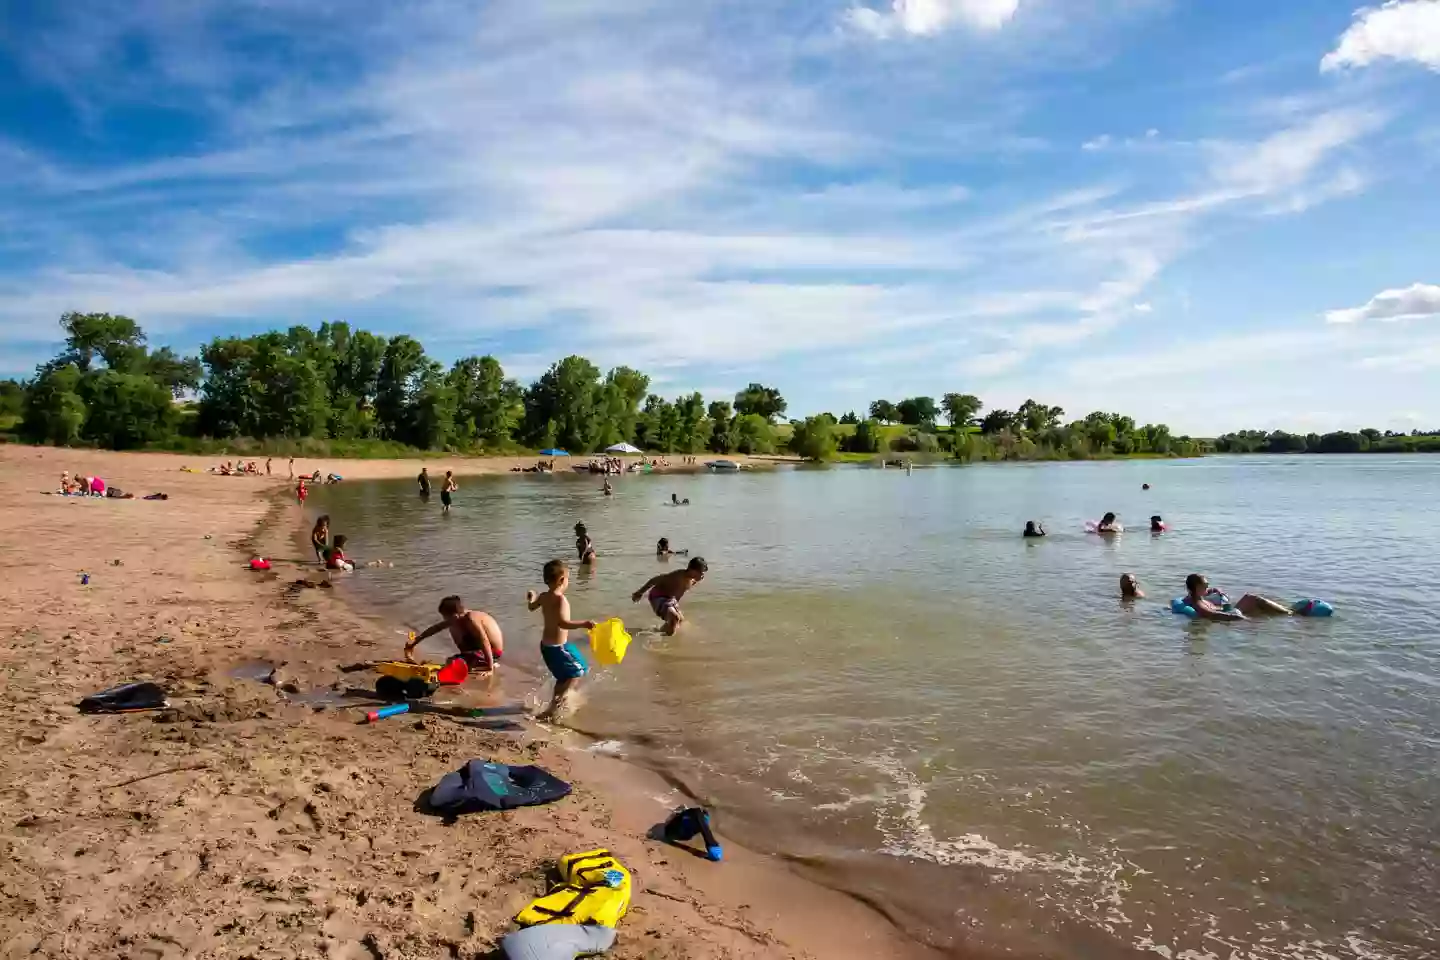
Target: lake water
<point x="882" y="680"/>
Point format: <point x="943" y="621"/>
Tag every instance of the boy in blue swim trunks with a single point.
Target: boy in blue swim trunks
<point x="667" y="589"/>
<point x="565" y="663"/>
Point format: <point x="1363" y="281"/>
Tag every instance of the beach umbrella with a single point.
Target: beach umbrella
<point x="553" y="453"/>
<point x="622" y="448"/>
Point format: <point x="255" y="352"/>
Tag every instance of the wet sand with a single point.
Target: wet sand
<point x="256" y="819"/>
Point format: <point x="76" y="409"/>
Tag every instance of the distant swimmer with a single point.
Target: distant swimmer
<point x="446" y="490"/>
<point x="675" y="501"/>
<point x="1033" y="529"/>
<point x="1201" y="599"/>
<point x="1157" y="525"/>
<point x="584" y="546"/>
<point x="1144" y="486"/>
<point x="1130" y="587"/>
<point x="663" y="551"/>
<point x="667" y="589"/>
<point x="608" y="489"/>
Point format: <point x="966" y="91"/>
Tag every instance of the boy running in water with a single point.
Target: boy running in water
<point x="667" y="589"/>
<point x="565" y="663"/>
<point x="476" y="634"/>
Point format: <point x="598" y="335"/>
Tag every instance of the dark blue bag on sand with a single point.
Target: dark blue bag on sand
<point x="481" y="785"/>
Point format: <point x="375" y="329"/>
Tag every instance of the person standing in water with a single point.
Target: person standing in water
<point x="1130" y="587"/>
<point x="1033" y="529"/>
<point x="424" y="481"/>
<point x="560" y="656"/>
<point x="320" y="537"/>
<point x="446" y="490"/>
<point x="667" y="590"/>
<point x="584" y="546"/>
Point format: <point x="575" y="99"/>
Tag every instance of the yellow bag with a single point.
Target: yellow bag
<point x="594" y="888"/>
<point x="609" y="641"/>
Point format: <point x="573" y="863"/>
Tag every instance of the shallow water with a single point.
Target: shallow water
<point x="968" y="729"/>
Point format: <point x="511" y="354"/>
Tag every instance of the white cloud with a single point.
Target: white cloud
<point x="1410" y="303"/>
<point x="1286" y="159"/>
<point x="1098" y="143"/>
<point x="924" y="18"/>
<point x="1142" y="308"/>
<point x="1397" y="30"/>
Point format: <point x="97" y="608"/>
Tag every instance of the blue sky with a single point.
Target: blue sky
<point x="1214" y="214"/>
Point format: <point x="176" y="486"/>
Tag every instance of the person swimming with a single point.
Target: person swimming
<point x="1130" y="587"/>
<point x="663" y="551"/>
<point x="1198" y="594"/>
<point x="1033" y="529"/>
<point x="1157" y="525"/>
<point x="1108" y="524"/>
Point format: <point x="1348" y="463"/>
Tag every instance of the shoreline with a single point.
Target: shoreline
<point x="248" y="820"/>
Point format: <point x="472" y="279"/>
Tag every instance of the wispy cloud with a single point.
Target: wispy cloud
<point x="922" y="18"/>
<point x="1415" y="302"/>
<point x="1407" y="30"/>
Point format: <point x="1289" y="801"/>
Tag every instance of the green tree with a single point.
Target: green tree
<point x="402" y="370"/>
<point x="884" y="411"/>
<point x="760" y="400"/>
<point x="917" y="411"/>
<point x="1038" y="417"/>
<point x="961" y="408"/>
<point x="814" y="438"/>
<point x="624" y="391"/>
<point x="562" y="406"/>
<point x="690" y="424"/>
<point x="723" y="438"/>
<point x="754" y="434"/>
<point x="12" y="400"/>
<point x="997" y="421"/>
<point x="117" y="340"/>
<point x="54" y="410"/>
<point x="126" y="410"/>
<point x="849" y="417"/>
<point x="486" y="403"/>
<point x="179" y="375"/>
<point x="865" y="439"/>
<point x="432" y="418"/>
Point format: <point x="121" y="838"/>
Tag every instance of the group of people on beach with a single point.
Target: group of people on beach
<point x="481" y="643"/>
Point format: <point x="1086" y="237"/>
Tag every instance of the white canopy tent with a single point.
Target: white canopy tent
<point x="622" y="448"/>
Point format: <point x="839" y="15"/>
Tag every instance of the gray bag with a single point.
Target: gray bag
<point x="557" y="941"/>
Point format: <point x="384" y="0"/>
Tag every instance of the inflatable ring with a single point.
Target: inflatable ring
<point x="1311" y="608"/>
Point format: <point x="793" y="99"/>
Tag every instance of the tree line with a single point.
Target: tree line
<point x="345" y="391"/>
<point x="357" y="391"/>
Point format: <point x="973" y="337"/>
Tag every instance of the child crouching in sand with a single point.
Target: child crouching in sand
<point x="565" y="663"/>
<point x="476" y="634"/>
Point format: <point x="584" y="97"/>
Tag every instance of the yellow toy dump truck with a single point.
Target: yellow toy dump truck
<point x="402" y="680"/>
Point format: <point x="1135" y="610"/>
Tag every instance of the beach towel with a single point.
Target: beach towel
<point x="481" y="785"/>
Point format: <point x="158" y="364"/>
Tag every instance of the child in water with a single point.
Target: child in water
<point x="476" y="634"/>
<point x="335" y="557"/>
<point x="1033" y="529"/>
<point x="667" y="589"/>
<point x="584" y="546"/>
<point x="446" y="490"/>
<point x="1157" y="525"/>
<point x="663" y="551"/>
<point x="320" y="537"/>
<point x="565" y="663"/>
<point x="1107" y="524"/>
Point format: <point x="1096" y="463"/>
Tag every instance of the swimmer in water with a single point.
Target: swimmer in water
<point x="1130" y="587"/>
<point x="608" y="489"/>
<point x="1107" y="524"/>
<point x="1157" y="525"/>
<point x="1250" y="605"/>
<point x="663" y="551"/>
<point x="1033" y="529"/>
<point x="584" y="546"/>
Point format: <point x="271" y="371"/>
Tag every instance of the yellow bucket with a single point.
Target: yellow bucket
<point x="609" y="641"/>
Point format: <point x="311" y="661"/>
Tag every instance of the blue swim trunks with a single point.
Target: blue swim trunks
<point x="564" y="661"/>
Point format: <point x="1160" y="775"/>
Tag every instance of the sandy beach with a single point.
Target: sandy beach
<point x="255" y="819"/>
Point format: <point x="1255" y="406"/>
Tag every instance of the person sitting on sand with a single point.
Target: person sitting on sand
<point x="663" y="551"/>
<point x="565" y="663"/>
<point x="476" y="634"/>
<point x="1033" y="529"/>
<point x="667" y="589"/>
<point x="1107" y="524"/>
<point x="335" y="557"/>
<point x="1130" y="587"/>
<point x="584" y="546"/>
<point x="320" y="537"/>
<point x="1157" y="525"/>
<point x="1197" y="595"/>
